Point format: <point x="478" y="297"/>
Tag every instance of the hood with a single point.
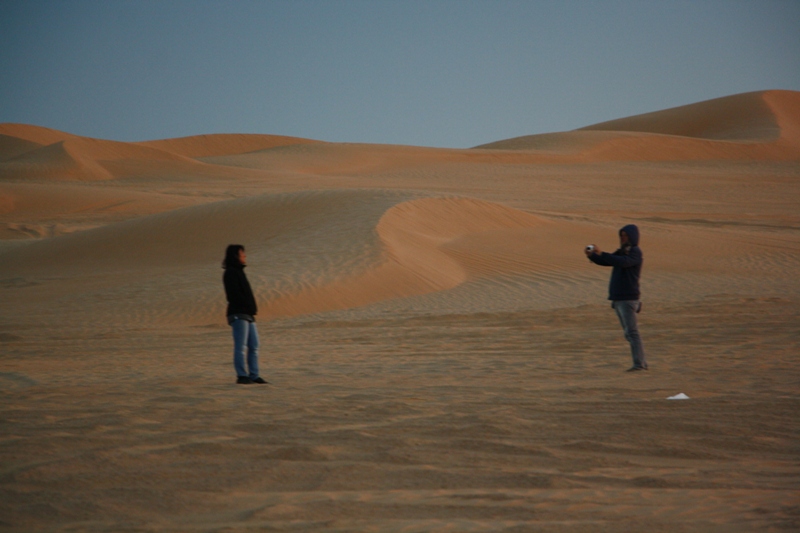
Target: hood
<point x="633" y="234"/>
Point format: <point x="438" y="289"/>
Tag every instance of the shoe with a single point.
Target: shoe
<point x="243" y="380"/>
<point x="636" y="368"/>
<point x="259" y="380"/>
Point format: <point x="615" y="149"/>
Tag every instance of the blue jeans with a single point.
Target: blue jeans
<point x="245" y="335"/>
<point x="626" y="311"/>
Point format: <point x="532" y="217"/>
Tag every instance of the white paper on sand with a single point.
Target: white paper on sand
<point x="680" y="396"/>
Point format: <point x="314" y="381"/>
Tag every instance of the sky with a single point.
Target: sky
<point x="442" y="73"/>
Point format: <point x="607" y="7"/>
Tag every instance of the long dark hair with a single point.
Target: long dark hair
<point x="232" y="256"/>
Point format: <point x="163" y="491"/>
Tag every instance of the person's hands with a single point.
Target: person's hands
<point x="591" y="249"/>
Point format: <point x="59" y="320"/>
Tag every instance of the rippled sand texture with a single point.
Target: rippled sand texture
<point x="440" y="352"/>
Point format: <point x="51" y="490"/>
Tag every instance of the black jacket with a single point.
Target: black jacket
<point x="238" y="292"/>
<point x="627" y="263"/>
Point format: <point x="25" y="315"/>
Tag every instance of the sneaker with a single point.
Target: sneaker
<point x="243" y="380"/>
<point x="636" y="368"/>
<point x="259" y="380"/>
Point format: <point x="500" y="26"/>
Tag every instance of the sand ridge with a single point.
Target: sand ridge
<point x="741" y="117"/>
<point x="744" y="126"/>
<point x="223" y="144"/>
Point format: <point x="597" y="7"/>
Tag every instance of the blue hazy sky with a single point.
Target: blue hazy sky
<point x="446" y="73"/>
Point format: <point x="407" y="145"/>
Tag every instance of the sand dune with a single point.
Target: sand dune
<point x="49" y="209"/>
<point x="442" y="355"/>
<point x="321" y="251"/>
<point x="223" y="144"/>
<point x="414" y="254"/>
<point x="80" y="158"/>
<point x="786" y="107"/>
<point x="741" y="117"/>
<point x="39" y="153"/>
<point x="11" y="146"/>
<point x="758" y="125"/>
<point x="34" y="134"/>
<point x="351" y="248"/>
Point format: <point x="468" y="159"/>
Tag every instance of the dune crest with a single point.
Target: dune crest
<point x="28" y="152"/>
<point x="34" y="134"/>
<point x="414" y="257"/>
<point x="740" y="117"/>
<point x="757" y="126"/>
<point x="216" y="145"/>
<point x="786" y="107"/>
<point x="84" y="159"/>
<point x="57" y="161"/>
<point x="309" y="252"/>
<point x="752" y="126"/>
<point x="11" y="146"/>
<point x="418" y="232"/>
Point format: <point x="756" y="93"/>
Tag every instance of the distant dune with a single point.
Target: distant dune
<point x="757" y="125"/>
<point x="742" y="117"/>
<point x="223" y="144"/>
<point x="41" y="153"/>
<point x="410" y="235"/>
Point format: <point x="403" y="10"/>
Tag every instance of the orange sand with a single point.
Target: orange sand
<point x="441" y="353"/>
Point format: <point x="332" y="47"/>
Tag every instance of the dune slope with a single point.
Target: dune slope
<point x="310" y="252"/>
<point x="741" y="117"/>
<point x="758" y="125"/>
<point x="223" y="144"/>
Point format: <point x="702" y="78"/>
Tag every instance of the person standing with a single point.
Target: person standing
<point x="624" y="287"/>
<point x="241" y="313"/>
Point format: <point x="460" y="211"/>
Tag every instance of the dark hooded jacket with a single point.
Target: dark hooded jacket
<point x="240" y="297"/>
<point x="627" y="263"/>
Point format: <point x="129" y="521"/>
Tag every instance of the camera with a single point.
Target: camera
<point x="590" y="248"/>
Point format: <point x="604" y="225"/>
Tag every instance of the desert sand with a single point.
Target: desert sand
<point x="441" y="354"/>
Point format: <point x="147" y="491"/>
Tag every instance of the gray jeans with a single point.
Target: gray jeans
<point x="626" y="311"/>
